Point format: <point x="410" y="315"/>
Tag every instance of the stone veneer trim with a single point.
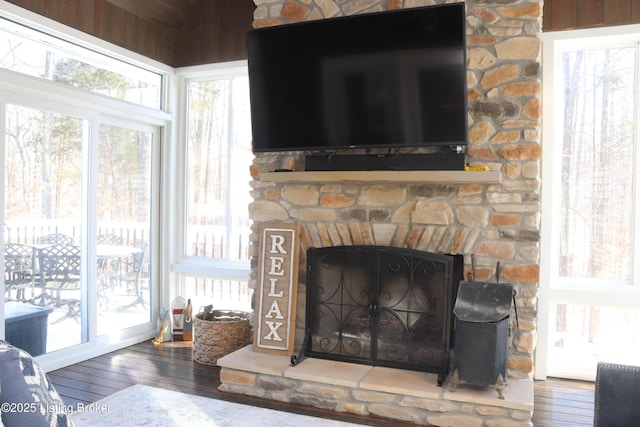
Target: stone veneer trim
<point x="367" y="390"/>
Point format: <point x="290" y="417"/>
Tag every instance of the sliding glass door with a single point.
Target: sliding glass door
<point x="43" y="175"/>
<point x="79" y="209"/>
<point x="123" y="223"/>
<point x="80" y="151"/>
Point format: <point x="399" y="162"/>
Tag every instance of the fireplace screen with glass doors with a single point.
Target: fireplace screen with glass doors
<point x="381" y="306"/>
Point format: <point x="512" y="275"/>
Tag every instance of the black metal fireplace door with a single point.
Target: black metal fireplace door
<point x="380" y="306"/>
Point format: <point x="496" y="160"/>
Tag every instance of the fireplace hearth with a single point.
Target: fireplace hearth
<point x="381" y="306"/>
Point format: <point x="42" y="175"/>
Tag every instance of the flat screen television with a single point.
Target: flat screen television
<point x="386" y="79"/>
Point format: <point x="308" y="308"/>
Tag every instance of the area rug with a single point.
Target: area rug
<point x="141" y="405"/>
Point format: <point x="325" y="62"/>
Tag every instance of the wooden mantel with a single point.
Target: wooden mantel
<point x="417" y="176"/>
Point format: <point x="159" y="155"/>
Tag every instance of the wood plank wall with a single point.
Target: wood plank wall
<point x="217" y="32"/>
<point x="572" y="14"/>
<point x="214" y="32"/>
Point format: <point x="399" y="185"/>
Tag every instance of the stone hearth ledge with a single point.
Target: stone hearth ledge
<point x="415" y="395"/>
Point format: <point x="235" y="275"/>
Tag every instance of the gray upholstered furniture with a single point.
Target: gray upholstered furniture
<point x="617" y="395"/>
<point x="27" y="397"/>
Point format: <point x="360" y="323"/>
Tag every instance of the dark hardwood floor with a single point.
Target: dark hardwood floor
<point x="563" y="403"/>
<point x="558" y="403"/>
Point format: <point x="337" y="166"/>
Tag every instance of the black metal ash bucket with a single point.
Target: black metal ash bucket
<point x="482" y="312"/>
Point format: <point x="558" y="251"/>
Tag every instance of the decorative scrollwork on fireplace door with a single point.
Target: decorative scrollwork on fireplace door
<point x="380" y="305"/>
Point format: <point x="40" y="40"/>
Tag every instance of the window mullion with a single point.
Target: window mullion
<point x="229" y="204"/>
<point x="635" y="274"/>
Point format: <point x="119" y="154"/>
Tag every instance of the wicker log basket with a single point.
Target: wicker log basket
<point x="219" y="332"/>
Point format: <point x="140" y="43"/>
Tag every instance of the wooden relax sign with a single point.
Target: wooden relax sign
<point x="277" y="288"/>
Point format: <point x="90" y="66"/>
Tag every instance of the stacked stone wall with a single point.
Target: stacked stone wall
<point x="494" y="222"/>
<point x="417" y="410"/>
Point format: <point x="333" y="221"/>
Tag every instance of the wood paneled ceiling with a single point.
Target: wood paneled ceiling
<point x="171" y="13"/>
<point x="178" y="33"/>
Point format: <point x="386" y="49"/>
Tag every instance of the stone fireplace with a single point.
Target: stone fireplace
<point x="495" y="220"/>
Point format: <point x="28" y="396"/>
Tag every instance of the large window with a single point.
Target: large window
<point x="30" y="52"/>
<point x="596" y="163"/>
<point x="80" y="150"/>
<point x="82" y="145"/>
<point x="215" y="248"/>
<point x="219" y="155"/>
<point x="590" y="283"/>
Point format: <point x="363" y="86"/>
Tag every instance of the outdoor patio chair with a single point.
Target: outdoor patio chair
<point x="19" y="271"/>
<point x="60" y="272"/>
<point x="140" y="270"/>
<point x="137" y="275"/>
<point x="108" y="239"/>
<point x="108" y="268"/>
<point x="55" y="239"/>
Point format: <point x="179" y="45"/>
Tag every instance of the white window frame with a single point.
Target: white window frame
<point x="169" y="236"/>
<point x="554" y="289"/>
<point x="218" y="268"/>
<point x="63" y="32"/>
<point x="39" y="93"/>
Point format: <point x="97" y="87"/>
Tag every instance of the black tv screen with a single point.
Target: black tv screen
<point x="387" y="79"/>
